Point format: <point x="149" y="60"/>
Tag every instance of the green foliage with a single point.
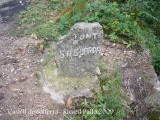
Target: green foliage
<point x="49" y="56"/>
<point x="153" y="116"/>
<point x="107" y="105"/>
<point x="156" y="57"/>
<point x="38" y="20"/>
<point x="79" y="5"/>
<point x="57" y="5"/>
<point x="102" y="67"/>
<point x="118" y="24"/>
<point x="46" y="31"/>
<point x="64" y="25"/>
<point x="133" y="23"/>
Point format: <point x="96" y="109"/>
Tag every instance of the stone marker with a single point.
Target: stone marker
<point x="78" y="53"/>
<point x="75" y="68"/>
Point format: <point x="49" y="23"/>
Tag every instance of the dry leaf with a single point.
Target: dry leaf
<point x="41" y="47"/>
<point x="34" y="36"/>
<point x="69" y="102"/>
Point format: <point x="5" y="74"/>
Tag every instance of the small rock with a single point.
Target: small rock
<point x="13" y="60"/>
<point x="109" y="53"/>
<point x="108" y="44"/>
<point x="36" y="83"/>
<point x="28" y="67"/>
<point x="42" y="60"/>
<point x="114" y="45"/>
<point x="98" y="71"/>
<point x="23" y="78"/>
<point x="102" y="54"/>
<point x="23" y="53"/>
<point x="1" y="96"/>
<point x="105" y="54"/>
<point x="12" y="70"/>
<point x="124" y="65"/>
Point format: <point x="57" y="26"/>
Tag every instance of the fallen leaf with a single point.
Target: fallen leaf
<point x="69" y="102"/>
<point x="34" y="36"/>
<point x="41" y="47"/>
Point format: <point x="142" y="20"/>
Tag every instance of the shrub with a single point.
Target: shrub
<point x="133" y="23"/>
<point x="128" y="22"/>
<point x="107" y="104"/>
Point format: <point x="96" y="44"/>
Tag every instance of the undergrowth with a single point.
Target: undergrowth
<point x="133" y="23"/>
<point x="108" y="103"/>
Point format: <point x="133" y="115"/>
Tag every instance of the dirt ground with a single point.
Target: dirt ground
<point x="21" y="95"/>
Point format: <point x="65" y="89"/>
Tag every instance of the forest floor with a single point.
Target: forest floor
<point x="21" y="95"/>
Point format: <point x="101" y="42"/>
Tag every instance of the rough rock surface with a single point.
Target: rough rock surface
<point x="139" y="80"/>
<point x="78" y="52"/>
<point x="61" y="87"/>
<point x="77" y="57"/>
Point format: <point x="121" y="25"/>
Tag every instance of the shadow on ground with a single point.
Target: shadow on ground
<point x="9" y="8"/>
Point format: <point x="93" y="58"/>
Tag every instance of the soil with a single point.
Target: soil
<point x="21" y="95"/>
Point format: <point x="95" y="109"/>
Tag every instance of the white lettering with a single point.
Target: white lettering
<point x="86" y="51"/>
<point x="75" y="53"/>
<point x="81" y="52"/>
<point x="82" y="37"/>
<point x="95" y="35"/>
<point x="88" y="36"/>
<point x="75" y="37"/>
<point x="94" y="50"/>
<point x="99" y="50"/>
<point x="69" y="53"/>
<point x="90" y="50"/>
<point x="62" y="54"/>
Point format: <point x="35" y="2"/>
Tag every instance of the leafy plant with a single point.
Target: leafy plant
<point x="107" y="105"/>
<point x="102" y="67"/>
<point x="64" y="25"/>
<point x="127" y="22"/>
<point x="133" y="23"/>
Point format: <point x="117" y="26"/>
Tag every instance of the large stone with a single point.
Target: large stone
<point x="139" y="80"/>
<point x="75" y="69"/>
<point x="78" y="53"/>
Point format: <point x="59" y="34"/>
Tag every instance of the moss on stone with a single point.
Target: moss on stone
<point x="153" y="116"/>
<point x="67" y="83"/>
